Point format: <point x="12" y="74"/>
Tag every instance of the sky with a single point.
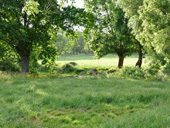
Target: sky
<point x="78" y="3"/>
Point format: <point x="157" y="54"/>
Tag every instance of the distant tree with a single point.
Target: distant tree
<point x="111" y="33"/>
<point x="66" y="45"/>
<point x="28" y="24"/>
<point x="62" y="44"/>
<point x="87" y="49"/>
<point x="79" y="43"/>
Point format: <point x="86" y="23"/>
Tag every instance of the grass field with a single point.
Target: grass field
<point x="84" y="102"/>
<point x="88" y="61"/>
<point x="55" y="102"/>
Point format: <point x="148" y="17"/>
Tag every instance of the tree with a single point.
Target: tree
<point x="87" y="48"/>
<point x="131" y="7"/>
<point x="156" y="33"/>
<point x="111" y="33"/>
<point x="78" y="44"/>
<point x="65" y="45"/>
<point x="28" y="24"/>
<point x="62" y="44"/>
<point x="149" y="20"/>
<point x="139" y="62"/>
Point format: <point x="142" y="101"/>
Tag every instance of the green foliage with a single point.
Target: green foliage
<point x="62" y="44"/>
<point x="69" y="67"/>
<point x="9" y="66"/>
<point x="26" y="24"/>
<point x="166" y="69"/>
<point x="154" y="72"/>
<point x="79" y="44"/>
<point x="154" y="69"/>
<point x="133" y="72"/>
<point x="149" y="20"/>
<point x="73" y="63"/>
<point x="31" y="7"/>
<point x="65" y="45"/>
<point x="131" y="8"/>
<point x="155" y="23"/>
<point x="110" y="33"/>
<point x="8" y="59"/>
<point x="34" y="57"/>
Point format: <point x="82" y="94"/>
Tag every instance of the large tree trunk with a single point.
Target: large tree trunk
<point x="24" y="50"/>
<point x="139" y="62"/>
<point x="121" y="60"/>
<point x="25" y="63"/>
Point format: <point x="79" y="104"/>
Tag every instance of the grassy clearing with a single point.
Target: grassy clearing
<point x="88" y="61"/>
<point x="87" y="102"/>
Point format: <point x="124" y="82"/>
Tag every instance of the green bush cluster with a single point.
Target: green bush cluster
<point x="153" y="69"/>
<point x="9" y="66"/>
<point x="69" y="67"/>
<point x="153" y="72"/>
<point x="166" y="69"/>
<point x="133" y="72"/>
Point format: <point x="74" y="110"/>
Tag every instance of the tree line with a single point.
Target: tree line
<point x="68" y="46"/>
<point x="31" y="30"/>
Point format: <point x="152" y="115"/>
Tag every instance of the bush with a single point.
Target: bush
<point x="34" y="65"/>
<point x="166" y="69"/>
<point x="152" y="73"/>
<point x="9" y="66"/>
<point x="69" y="67"/>
<point x="153" y="69"/>
<point x="133" y="72"/>
<point x="73" y="63"/>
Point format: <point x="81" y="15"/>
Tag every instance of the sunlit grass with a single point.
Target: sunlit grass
<point x="87" y="102"/>
<point x="59" y="101"/>
<point x="88" y="61"/>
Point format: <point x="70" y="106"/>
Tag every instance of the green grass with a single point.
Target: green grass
<point x="88" y="61"/>
<point x="65" y="102"/>
<point x="84" y="102"/>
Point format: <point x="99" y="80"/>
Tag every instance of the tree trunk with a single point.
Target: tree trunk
<point x="139" y="62"/>
<point x="25" y="63"/>
<point x="121" y="60"/>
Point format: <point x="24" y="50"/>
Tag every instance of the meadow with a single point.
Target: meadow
<point x="89" y="61"/>
<point x="56" y="101"/>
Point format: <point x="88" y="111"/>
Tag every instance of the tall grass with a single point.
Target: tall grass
<point x="64" y="102"/>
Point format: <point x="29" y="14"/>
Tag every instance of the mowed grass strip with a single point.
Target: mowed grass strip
<point x="87" y="102"/>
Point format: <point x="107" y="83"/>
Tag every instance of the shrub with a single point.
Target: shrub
<point x="133" y="72"/>
<point x="166" y="69"/>
<point x="73" y="63"/>
<point x="152" y="73"/>
<point x="68" y="68"/>
<point x="9" y="66"/>
<point x="153" y="69"/>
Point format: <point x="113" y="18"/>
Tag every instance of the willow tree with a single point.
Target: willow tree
<point x="110" y="33"/>
<point x="156" y="28"/>
<point x="27" y="24"/>
<point x="150" y="25"/>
